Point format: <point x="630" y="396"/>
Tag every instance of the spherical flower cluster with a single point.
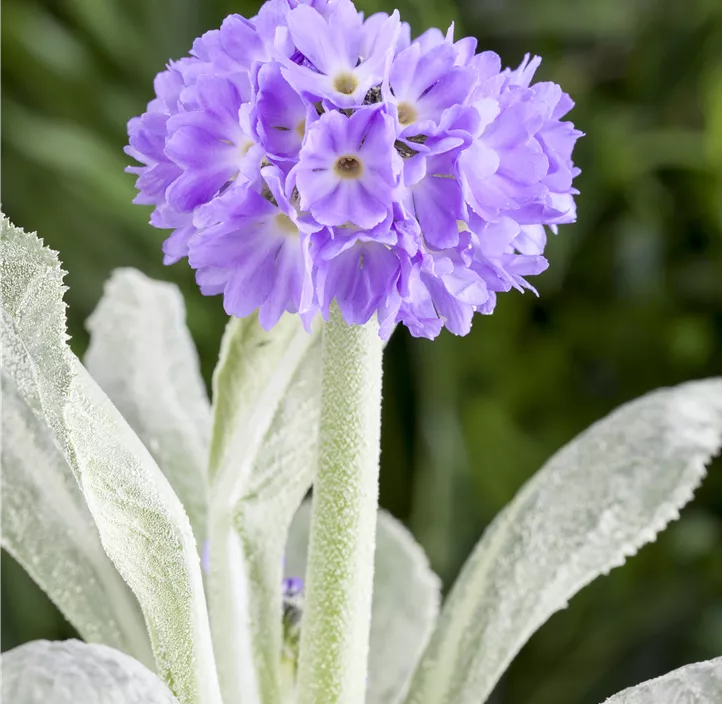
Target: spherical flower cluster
<point x="309" y="155"/>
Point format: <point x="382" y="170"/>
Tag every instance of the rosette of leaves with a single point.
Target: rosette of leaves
<point x="116" y="472"/>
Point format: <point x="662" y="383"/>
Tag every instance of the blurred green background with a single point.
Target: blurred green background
<point x="632" y="300"/>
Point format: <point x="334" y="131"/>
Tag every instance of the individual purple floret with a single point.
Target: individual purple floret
<point x="348" y="169"/>
<point x="310" y="155"/>
<point x="292" y="603"/>
<point x="292" y="587"/>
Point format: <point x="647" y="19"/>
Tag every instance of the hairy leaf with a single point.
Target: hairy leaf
<point x="46" y="525"/>
<point x="700" y="683"/>
<point x="146" y="533"/>
<point x="142" y="525"/>
<point x="72" y="672"/>
<point x="143" y="357"/>
<point x="596" y="502"/>
<point x="406" y="600"/>
<point x="254" y="369"/>
<point x="266" y="409"/>
<point x="33" y="324"/>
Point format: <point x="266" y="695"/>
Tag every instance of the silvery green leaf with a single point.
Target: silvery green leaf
<point x="405" y="602"/>
<point x="73" y="672"/>
<point x="283" y="472"/>
<point x="142" y="525"/>
<point x="33" y="323"/>
<point x="700" y="683"/>
<point x="46" y="525"/>
<point x="596" y="502"/>
<point x="266" y="406"/>
<point x="255" y="367"/>
<point x="146" y="533"/>
<point x="142" y="356"/>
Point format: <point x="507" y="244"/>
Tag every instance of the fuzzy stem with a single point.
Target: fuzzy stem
<point x="339" y="576"/>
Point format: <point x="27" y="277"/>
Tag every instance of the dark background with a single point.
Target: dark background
<point x="632" y="300"/>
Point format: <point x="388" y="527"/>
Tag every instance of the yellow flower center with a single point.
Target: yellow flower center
<point x="285" y="224"/>
<point x="348" y="167"/>
<point x="345" y="83"/>
<point x="407" y="114"/>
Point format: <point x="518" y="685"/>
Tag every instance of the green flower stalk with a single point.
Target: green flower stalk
<point x="339" y="576"/>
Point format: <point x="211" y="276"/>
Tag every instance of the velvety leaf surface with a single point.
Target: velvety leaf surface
<point x="146" y="533"/>
<point x="700" y="683"/>
<point x="266" y="409"/>
<point x="596" y="502"/>
<point x="73" y="672"/>
<point x="142" y="356"/>
<point x="142" y="525"/>
<point x="35" y="353"/>
<point x="46" y="525"/>
<point x="254" y="368"/>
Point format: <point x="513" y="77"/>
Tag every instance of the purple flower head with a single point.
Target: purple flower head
<point x="309" y="155"/>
